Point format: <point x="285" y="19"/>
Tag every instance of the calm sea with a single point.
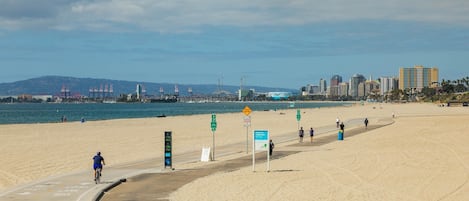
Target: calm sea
<point x="47" y="113"/>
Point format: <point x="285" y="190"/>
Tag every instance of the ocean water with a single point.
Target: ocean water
<point x="49" y="113"/>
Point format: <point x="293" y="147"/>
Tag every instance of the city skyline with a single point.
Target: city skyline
<point x="263" y="43"/>
<point x="414" y="79"/>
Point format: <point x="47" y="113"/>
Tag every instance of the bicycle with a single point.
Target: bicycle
<point x="97" y="178"/>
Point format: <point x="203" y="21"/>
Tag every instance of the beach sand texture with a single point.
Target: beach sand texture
<point x="420" y="157"/>
<point x="423" y="156"/>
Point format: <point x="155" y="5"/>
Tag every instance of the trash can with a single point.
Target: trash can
<point x="340" y="135"/>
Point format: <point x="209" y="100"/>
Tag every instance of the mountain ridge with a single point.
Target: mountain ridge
<point x="53" y="84"/>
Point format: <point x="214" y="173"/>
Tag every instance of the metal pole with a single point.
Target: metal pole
<point x="268" y="159"/>
<point x="268" y="153"/>
<point x="253" y="154"/>
<point x="247" y="139"/>
<point x="213" y="144"/>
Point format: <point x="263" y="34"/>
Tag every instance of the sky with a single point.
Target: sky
<point x="272" y="43"/>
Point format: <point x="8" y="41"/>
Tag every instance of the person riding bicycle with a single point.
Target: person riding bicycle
<point x="98" y="162"/>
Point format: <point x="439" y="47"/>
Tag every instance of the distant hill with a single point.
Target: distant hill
<point x="52" y="85"/>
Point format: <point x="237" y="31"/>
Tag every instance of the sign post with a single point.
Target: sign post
<point x="213" y="126"/>
<point x="260" y="143"/>
<point x="247" y="121"/>
<point x="298" y="118"/>
<point x="168" y="156"/>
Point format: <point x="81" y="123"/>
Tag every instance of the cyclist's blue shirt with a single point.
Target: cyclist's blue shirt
<point x="97" y="160"/>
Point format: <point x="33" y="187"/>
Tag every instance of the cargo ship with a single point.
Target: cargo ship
<point x="167" y="99"/>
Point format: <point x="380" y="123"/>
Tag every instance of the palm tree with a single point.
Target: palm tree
<point x="466" y="81"/>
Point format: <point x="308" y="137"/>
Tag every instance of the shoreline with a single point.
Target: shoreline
<point x="35" y="113"/>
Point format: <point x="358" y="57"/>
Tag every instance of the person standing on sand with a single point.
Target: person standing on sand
<point x="311" y="134"/>
<point x="337" y="122"/>
<point x="342" y="126"/>
<point x="301" y="133"/>
<point x="271" y="147"/>
<point x="366" y="123"/>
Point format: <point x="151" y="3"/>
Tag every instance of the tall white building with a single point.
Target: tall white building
<point x="139" y="91"/>
<point x="388" y="84"/>
<point x="322" y="86"/>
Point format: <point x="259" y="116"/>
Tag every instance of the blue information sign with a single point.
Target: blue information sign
<point x="261" y="140"/>
<point x="261" y="135"/>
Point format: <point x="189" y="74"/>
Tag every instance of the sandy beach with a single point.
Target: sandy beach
<point x="422" y="156"/>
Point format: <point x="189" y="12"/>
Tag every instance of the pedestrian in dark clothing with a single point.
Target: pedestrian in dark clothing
<point x="301" y="133"/>
<point x="271" y="147"/>
<point x="366" y="123"/>
<point x="311" y="134"/>
<point x="342" y="126"/>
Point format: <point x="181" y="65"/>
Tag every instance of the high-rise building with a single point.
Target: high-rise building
<point x="334" y="88"/>
<point x="355" y="80"/>
<point x="322" y="86"/>
<point x="139" y="91"/>
<point x="388" y="84"/>
<point x="343" y="89"/>
<point x="361" y="90"/>
<point x="371" y="87"/>
<point x="418" y="78"/>
<point x="310" y="90"/>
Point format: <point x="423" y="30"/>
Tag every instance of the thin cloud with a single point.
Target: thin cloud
<point x="193" y="15"/>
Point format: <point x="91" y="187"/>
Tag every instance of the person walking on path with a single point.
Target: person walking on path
<point x="271" y="147"/>
<point x="366" y="123"/>
<point x="301" y="133"/>
<point x="342" y="126"/>
<point x="311" y="134"/>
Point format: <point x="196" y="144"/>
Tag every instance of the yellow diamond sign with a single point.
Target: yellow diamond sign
<point x="247" y="111"/>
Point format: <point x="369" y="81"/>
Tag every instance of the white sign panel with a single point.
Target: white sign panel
<point x="261" y="140"/>
<point x="205" y="154"/>
<point x="247" y="121"/>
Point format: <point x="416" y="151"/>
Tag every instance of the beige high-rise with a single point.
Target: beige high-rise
<point x="418" y="77"/>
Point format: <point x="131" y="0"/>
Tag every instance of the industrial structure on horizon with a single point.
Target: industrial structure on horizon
<point x="104" y="91"/>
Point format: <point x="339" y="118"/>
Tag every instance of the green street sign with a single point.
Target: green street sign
<point x="214" y="117"/>
<point x="213" y="124"/>
<point x="298" y="115"/>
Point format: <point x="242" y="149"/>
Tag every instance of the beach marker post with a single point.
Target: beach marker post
<point x="298" y="118"/>
<point x="247" y="124"/>
<point x="213" y="126"/>
<point x="168" y="156"/>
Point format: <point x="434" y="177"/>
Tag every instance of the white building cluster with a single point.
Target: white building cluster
<point x="359" y="88"/>
<point x="356" y="88"/>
